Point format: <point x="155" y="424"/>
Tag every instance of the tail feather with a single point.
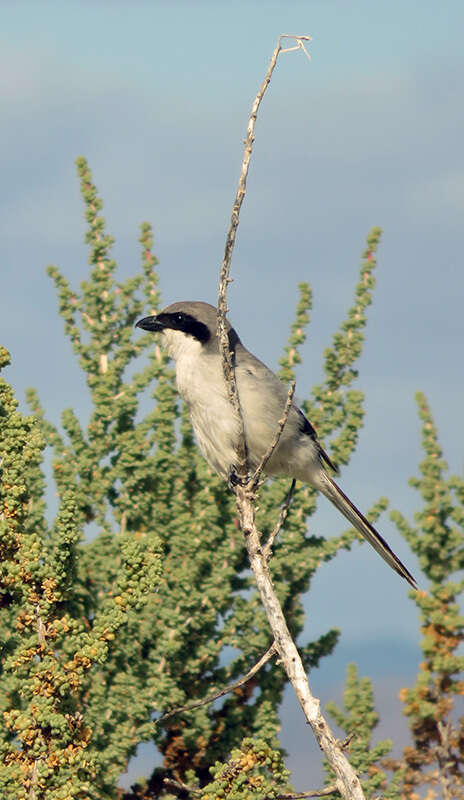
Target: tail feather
<point x="329" y="488"/>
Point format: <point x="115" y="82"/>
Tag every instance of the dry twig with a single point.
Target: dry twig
<point x="227" y="354"/>
<point x="345" y="743"/>
<point x="182" y="787"/>
<point x="212" y="697"/>
<point x="347" y="782"/>
<point x="282" y="517"/>
<point x="310" y="793"/>
<point x="444" y="759"/>
<point x="280" y="426"/>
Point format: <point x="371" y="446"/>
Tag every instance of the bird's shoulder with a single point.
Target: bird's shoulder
<point x="248" y="364"/>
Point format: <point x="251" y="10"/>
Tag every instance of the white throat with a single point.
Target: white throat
<point x="180" y="346"/>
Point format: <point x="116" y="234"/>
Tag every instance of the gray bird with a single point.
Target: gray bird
<point x="189" y="337"/>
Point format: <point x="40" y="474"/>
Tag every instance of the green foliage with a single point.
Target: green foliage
<point x="133" y="469"/>
<point x="97" y="641"/>
<point x="297" y="335"/>
<point x="253" y="772"/>
<point x="358" y="721"/>
<point x="50" y="654"/>
<point x="436" y="756"/>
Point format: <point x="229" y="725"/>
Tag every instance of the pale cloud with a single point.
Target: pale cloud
<point x="440" y="194"/>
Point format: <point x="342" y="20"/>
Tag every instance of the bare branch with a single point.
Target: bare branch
<point x="282" y="517"/>
<point x="347" y="782"/>
<point x="212" y="697"/>
<point x="444" y="759"/>
<point x="224" y="280"/>
<point x="310" y="793"/>
<point x="299" y="43"/>
<point x="345" y="743"/>
<point x="182" y="787"/>
<point x="280" y="426"/>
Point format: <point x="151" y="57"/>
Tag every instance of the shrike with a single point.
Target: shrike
<point x="189" y="336"/>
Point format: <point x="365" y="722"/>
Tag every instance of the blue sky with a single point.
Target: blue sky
<point x="157" y="95"/>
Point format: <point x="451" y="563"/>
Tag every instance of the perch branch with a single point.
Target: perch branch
<point x="347" y="782"/>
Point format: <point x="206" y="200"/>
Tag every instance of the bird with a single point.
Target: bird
<point x="189" y="336"/>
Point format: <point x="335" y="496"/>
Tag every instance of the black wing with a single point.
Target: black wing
<point x="307" y="430"/>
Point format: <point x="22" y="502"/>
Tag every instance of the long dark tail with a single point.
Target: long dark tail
<point x="329" y="488"/>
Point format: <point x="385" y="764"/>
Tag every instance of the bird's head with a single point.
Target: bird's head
<point x="187" y="328"/>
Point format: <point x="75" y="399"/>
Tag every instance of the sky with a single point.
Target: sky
<point x="156" y="95"/>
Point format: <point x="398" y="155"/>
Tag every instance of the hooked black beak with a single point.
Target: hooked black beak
<point x="150" y="324"/>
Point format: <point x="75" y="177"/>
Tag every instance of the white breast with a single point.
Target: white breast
<point x="200" y="383"/>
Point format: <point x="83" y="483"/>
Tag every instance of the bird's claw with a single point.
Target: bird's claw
<point x="234" y="479"/>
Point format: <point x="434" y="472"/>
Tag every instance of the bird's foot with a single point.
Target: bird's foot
<point x="234" y="479"/>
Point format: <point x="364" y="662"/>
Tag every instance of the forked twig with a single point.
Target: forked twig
<point x="282" y="517"/>
<point x="299" y="43"/>
<point x="280" y="426"/>
<point x="212" y="697"/>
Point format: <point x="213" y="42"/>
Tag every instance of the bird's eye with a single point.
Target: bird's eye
<point x="180" y="317"/>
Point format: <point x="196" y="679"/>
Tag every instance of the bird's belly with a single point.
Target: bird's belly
<point x="214" y="423"/>
<point x="217" y="434"/>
